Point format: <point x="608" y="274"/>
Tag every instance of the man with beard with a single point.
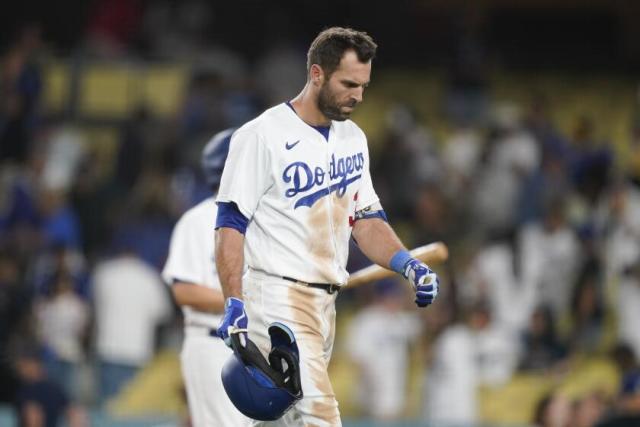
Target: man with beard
<point x="295" y="188"/>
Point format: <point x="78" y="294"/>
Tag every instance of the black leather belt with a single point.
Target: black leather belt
<point x="329" y="288"/>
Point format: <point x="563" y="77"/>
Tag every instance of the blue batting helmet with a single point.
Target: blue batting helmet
<point x="260" y="389"/>
<point x="214" y="155"/>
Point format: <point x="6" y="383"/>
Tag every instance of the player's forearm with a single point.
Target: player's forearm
<point x="198" y="297"/>
<point x="230" y="261"/>
<point x="377" y="240"/>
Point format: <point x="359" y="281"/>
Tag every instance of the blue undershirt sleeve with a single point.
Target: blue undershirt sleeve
<point x="230" y="216"/>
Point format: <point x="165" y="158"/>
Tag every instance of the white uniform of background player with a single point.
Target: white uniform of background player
<point x="302" y="190"/>
<point x="191" y="271"/>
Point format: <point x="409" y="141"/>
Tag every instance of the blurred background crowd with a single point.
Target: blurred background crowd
<point x="510" y="132"/>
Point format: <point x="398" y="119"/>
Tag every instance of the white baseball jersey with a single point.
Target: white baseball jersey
<point x="191" y="260"/>
<point x="300" y="193"/>
<point x="191" y="257"/>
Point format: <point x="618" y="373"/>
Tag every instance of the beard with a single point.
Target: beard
<point x="331" y="108"/>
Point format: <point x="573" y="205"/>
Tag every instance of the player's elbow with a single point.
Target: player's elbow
<point x="181" y="293"/>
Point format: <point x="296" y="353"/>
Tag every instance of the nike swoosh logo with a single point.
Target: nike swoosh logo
<point x="289" y="146"/>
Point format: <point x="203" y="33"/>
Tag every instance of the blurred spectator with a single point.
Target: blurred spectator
<point x="96" y="201"/>
<point x="20" y="88"/>
<point x="467" y="98"/>
<point x="541" y="349"/>
<point x="510" y="156"/>
<point x="553" y="410"/>
<point x="282" y="73"/>
<point x="64" y="150"/>
<point x="451" y="380"/>
<point x="588" y="410"/>
<point x="130" y="301"/>
<point x="146" y="223"/>
<point x="379" y="340"/>
<point x="627" y="362"/>
<point x="617" y="224"/>
<point x="57" y="260"/>
<point x="202" y="110"/>
<point x="63" y="320"/>
<point x="18" y="212"/>
<point x="135" y="137"/>
<point x="495" y="348"/>
<point x="178" y="31"/>
<point x="492" y="277"/>
<point x="41" y="402"/>
<point x="15" y="311"/>
<point x="545" y="187"/>
<point x="587" y="311"/>
<point x="58" y="222"/>
<point x="433" y="216"/>
<point x="408" y="159"/>
<point x="550" y="256"/>
<point x="628" y="308"/>
<point x="627" y="406"/>
<point x="112" y="26"/>
<point x="461" y="158"/>
<point x="555" y="147"/>
<point x="590" y="161"/>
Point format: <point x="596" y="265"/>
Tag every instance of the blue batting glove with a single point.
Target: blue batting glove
<point x="423" y="280"/>
<point x="235" y="319"/>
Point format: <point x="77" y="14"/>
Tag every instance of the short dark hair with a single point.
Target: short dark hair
<point x="330" y="45"/>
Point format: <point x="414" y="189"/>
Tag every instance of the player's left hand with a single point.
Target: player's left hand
<point x="235" y="319"/>
<point x="424" y="281"/>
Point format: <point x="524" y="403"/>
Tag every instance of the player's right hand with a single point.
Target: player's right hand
<point x="424" y="281"/>
<point x="235" y="319"/>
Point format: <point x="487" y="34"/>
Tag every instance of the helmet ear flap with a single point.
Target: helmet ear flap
<point x="285" y="362"/>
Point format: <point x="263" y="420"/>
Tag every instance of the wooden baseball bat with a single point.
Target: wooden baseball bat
<point x="433" y="253"/>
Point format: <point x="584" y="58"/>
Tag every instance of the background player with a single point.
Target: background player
<point x="191" y="272"/>
<point x="295" y="188"/>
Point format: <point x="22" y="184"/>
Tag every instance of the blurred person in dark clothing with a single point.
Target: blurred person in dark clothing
<point x="627" y="362"/>
<point x="58" y="222"/>
<point x="40" y="402"/>
<point x="433" y="215"/>
<point x="55" y="261"/>
<point x="590" y="162"/>
<point x="131" y="149"/>
<point x="94" y="199"/>
<point x="541" y="347"/>
<point x="548" y="185"/>
<point x="626" y="411"/>
<point x="587" y="311"/>
<point x="20" y="88"/>
<point x="147" y="221"/>
<point x="15" y="305"/>
<point x="408" y="159"/>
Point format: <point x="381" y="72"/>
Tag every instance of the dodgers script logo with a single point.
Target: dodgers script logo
<point x="342" y="172"/>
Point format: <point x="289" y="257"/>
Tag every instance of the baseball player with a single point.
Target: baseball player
<point x="295" y="188"/>
<point x="191" y="271"/>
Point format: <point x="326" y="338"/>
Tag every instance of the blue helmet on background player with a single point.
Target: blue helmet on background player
<point x="260" y="389"/>
<point x="214" y="155"/>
